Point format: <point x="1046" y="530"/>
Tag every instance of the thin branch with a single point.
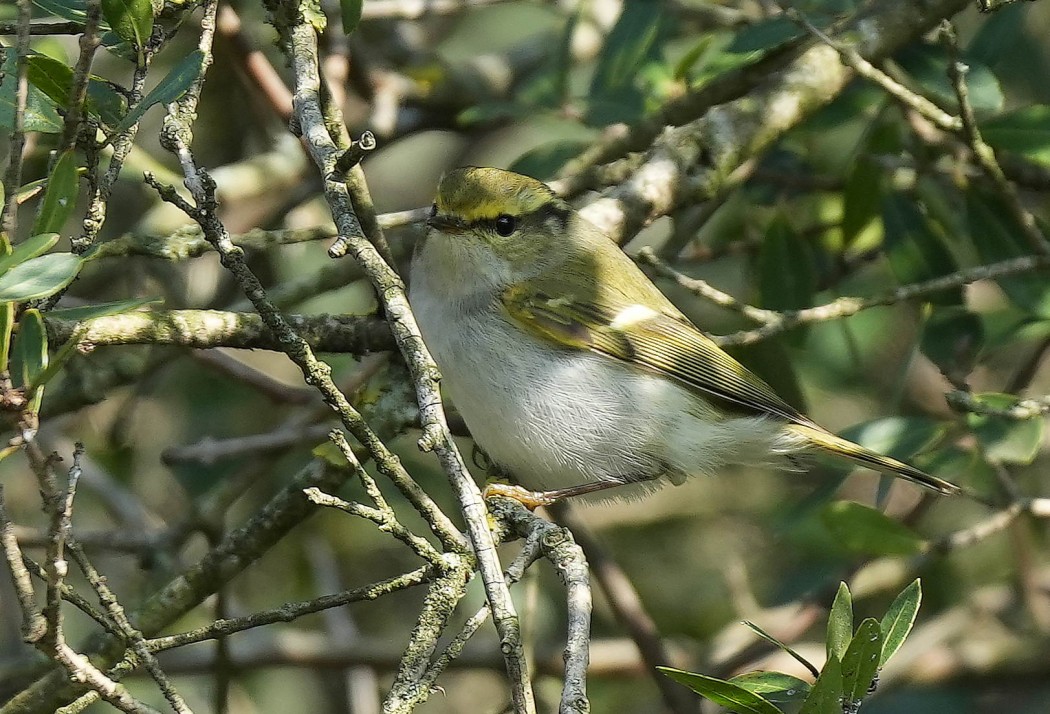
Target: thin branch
<point x="34" y="626"/>
<point x="303" y="42"/>
<point x="216" y="328"/>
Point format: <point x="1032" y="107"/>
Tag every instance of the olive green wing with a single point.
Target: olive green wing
<point x="654" y="340"/>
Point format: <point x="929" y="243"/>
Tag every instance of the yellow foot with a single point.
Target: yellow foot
<point x="530" y="499"/>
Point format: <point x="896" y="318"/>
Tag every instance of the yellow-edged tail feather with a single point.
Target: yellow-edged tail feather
<point x="838" y="446"/>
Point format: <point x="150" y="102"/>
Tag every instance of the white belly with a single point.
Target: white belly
<point x="556" y="418"/>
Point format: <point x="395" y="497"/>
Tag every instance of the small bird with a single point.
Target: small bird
<point x="573" y="372"/>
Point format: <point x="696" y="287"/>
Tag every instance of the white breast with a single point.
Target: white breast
<point x="558" y="417"/>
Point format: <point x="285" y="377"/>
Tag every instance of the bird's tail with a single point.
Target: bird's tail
<point x="836" y="445"/>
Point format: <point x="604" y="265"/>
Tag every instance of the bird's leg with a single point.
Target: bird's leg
<point x="535" y="499"/>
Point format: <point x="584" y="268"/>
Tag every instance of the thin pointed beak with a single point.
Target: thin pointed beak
<point x="445" y="224"/>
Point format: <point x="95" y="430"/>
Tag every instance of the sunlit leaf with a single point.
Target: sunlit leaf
<point x="787" y="649"/>
<point x="840" y="622"/>
<point x="28" y="249"/>
<point x="721" y="692"/>
<point x="774" y="687"/>
<point x="865" y="530"/>
<point x="898" y="620"/>
<point x="826" y="695"/>
<point x="60" y="197"/>
<point x="132" y="20"/>
<point x="1004" y="440"/>
<point x="39" y="277"/>
<point x="860" y="664"/>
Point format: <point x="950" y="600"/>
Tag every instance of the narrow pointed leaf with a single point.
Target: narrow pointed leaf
<point x="7" y="323"/>
<point x="173" y="86"/>
<point x="769" y="638"/>
<point x="860" y="664"/>
<point x="60" y="197"/>
<point x="826" y="695"/>
<point x="898" y="620"/>
<point x="30" y="354"/>
<point x="840" y="622"/>
<point x="721" y="692"/>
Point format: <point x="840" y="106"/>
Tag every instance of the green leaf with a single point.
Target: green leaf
<point x="40" y="115"/>
<point x="860" y="664"/>
<point x="840" y="622"/>
<point x="996" y="237"/>
<point x="1005" y="441"/>
<point x="39" y="277"/>
<point x="545" y="160"/>
<point x="104" y="309"/>
<point x="826" y="695"/>
<point x="630" y="44"/>
<point x="721" y="692"/>
<point x="30" y="354"/>
<point x="132" y="20"/>
<point x="770" y="638"/>
<point x="865" y="530"/>
<point x="764" y="35"/>
<point x="28" y="249"/>
<point x="173" y="86"/>
<point x="786" y="273"/>
<point x="7" y="323"/>
<point x="60" y="198"/>
<point x="1025" y="131"/>
<point x="55" y="78"/>
<point x="899" y="437"/>
<point x="31" y="344"/>
<point x="351" y="13"/>
<point x="927" y="63"/>
<point x="898" y="620"/>
<point x="952" y="338"/>
<point x="692" y="58"/>
<point x="914" y="248"/>
<point x="997" y="35"/>
<point x="774" y="687"/>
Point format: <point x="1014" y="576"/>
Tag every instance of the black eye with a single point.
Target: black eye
<point x="505" y="224"/>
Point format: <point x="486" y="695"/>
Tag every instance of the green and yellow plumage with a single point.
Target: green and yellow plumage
<point x="554" y="297"/>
